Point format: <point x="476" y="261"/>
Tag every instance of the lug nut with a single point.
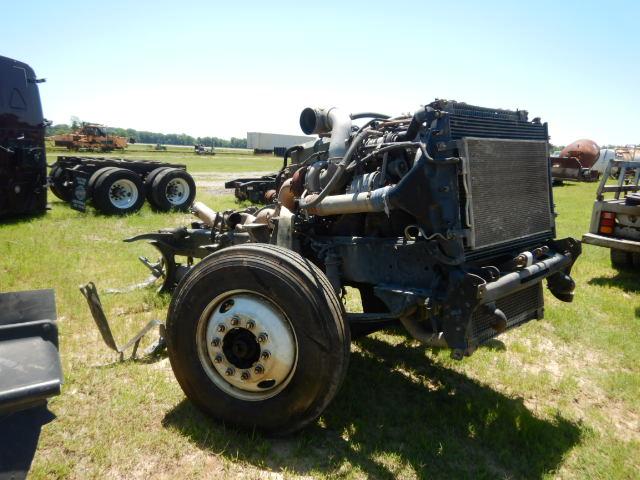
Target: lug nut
<point x="259" y="369"/>
<point x="245" y="375"/>
<point x="262" y="337"/>
<point x="229" y="372"/>
<point x="218" y="359"/>
<point x="215" y="342"/>
<point x="265" y="355"/>
<point x="251" y="324"/>
<point x="220" y="328"/>
<point x="235" y="320"/>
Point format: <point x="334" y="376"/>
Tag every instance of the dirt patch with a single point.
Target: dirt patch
<point x="213" y="182"/>
<point x="560" y="361"/>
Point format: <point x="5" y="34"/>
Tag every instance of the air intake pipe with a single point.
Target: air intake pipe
<point x="374" y="201"/>
<point x="337" y="123"/>
<point x="333" y="121"/>
<point x="321" y="121"/>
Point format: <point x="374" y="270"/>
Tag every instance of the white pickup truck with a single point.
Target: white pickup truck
<point x="615" y="222"/>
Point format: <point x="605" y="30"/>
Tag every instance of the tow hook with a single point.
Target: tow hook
<point x="561" y="286"/>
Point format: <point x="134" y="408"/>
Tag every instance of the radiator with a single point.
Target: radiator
<point x="507" y="190"/>
<point x="519" y="308"/>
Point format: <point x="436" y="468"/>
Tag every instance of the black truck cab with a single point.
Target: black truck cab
<point x="23" y="166"/>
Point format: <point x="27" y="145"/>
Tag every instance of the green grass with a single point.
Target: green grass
<point x="226" y="160"/>
<point x="554" y="398"/>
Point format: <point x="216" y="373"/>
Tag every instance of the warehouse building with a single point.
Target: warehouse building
<point x="274" y="142"/>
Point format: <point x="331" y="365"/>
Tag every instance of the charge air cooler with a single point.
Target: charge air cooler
<point x="506" y="190"/>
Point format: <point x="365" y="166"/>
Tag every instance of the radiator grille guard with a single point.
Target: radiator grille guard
<point x="519" y="308"/>
<point x="507" y="190"/>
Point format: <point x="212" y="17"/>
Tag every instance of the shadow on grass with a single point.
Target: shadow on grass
<point x="24" y="218"/>
<point x="563" y="184"/>
<point x="142" y="359"/>
<point x="397" y="412"/>
<point x="495" y="345"/>
<point x="627" y="281"/>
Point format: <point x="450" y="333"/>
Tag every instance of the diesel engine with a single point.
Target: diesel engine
<point x="442" y="220"/>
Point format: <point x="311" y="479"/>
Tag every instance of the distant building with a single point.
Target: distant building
<point x="274" y="142"/>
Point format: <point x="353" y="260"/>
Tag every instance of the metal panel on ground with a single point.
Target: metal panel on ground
<point x="30" y="369"/>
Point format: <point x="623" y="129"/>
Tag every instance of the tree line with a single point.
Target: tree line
<point x="141" y="136"/>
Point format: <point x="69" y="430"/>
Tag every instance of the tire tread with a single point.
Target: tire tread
<point x="298" y="271"/>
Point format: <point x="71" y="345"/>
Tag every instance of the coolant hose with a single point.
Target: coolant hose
<point x="419" y="117"/>
<point x="289" y="151"/>
<point x="337" y="176"/>
<point x="356" y="116"/>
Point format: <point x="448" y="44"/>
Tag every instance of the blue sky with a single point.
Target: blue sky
<point x="210" y="68"/>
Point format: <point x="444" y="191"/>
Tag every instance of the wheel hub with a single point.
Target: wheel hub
<point x="177" y="191"/>
<point x="246" y="345"/>
<point x="123" y="193"/>
<point x="241" y="348"/>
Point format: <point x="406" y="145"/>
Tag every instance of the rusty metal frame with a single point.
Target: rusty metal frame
<point x="91" y="294"/>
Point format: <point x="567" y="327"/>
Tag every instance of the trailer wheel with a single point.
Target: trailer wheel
<point x="148" y="182"/>
<point x="621" y="259"/>
<point x="59" y="189"/>
<point x="256" y="337"/>
<point x="173" y="189"/>
<point x="118" y="191"/>
<point x="96" y="175"/>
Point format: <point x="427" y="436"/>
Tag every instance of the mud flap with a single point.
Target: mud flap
<point x="30" y="370"/>
<point x="80" y="190"/>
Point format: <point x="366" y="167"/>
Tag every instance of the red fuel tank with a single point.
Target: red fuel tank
<point x="585" y="150"/>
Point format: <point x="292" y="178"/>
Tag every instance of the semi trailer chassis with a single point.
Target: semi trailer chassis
<point x="120" y="186"/>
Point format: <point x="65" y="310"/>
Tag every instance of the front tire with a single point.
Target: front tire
<point x="256" y="338"/>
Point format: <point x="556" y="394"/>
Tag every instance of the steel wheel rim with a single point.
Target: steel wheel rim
<point x="123" y="193"/>
<point x="228" y="326"/>
<point x="177" y="191"/>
